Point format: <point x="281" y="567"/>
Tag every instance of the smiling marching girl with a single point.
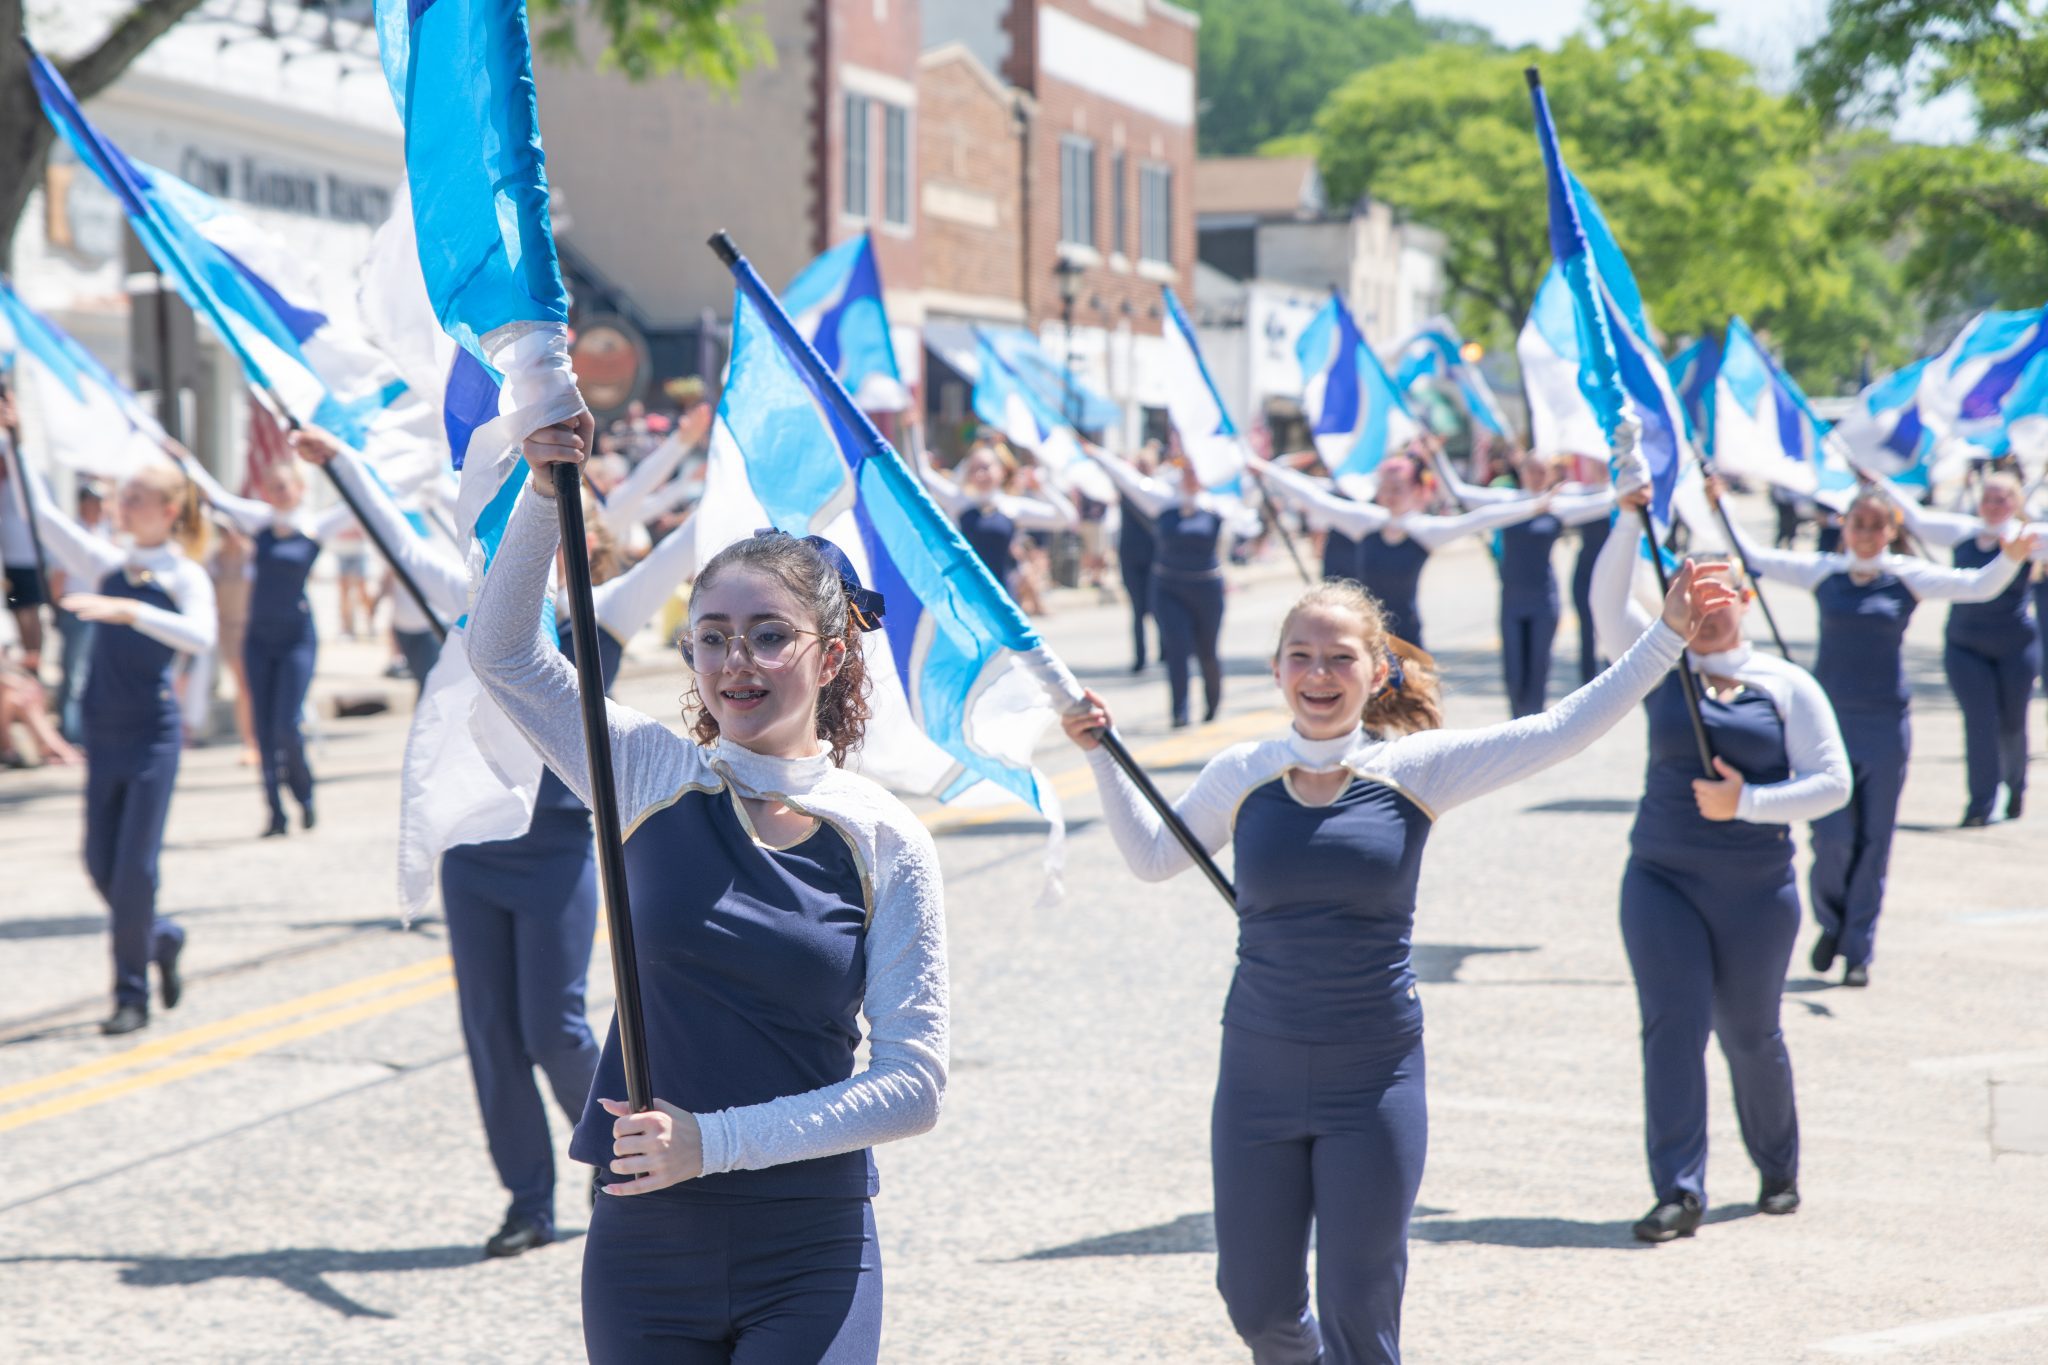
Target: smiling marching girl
<point x="1320" y="1117"/>
<point x="1709" y="903"/>
<point x="1395" y="536"/>
<point x="777" y="900"/>
<point x="1989" y="649"/>
<point x="154" y="602"/>
<point x="280" y="644"/>
<point x="1867" y="597"/>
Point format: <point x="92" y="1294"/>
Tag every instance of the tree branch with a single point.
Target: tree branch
<point x="144" y="24"/>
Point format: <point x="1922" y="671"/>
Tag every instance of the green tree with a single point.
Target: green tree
<point x="1971" y="221"/>
<point x="704" y="39"/>
<point x="1266" y="67"/>
<point x="1707" y="179"/>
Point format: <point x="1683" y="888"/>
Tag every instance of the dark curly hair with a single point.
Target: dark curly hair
<point x="843" y="704"/>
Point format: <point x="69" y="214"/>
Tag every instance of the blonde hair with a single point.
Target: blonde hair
<point x="169" y="481"/>
<point x="1411" y="699"/>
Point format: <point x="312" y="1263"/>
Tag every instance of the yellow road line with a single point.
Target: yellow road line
<point x="239" y="1050"/>
<point x="159" y="1048"/>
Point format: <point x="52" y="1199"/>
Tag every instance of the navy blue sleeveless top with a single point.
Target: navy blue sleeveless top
<point x="1995" y="626"/>
<point x="1592" y="536"/>
<point x="1340" y="555"/>
<point x="1526" y="575"/>
<point x="1862" y="642"/>
<point x="1134" y="545"/>
<point x="278" y="610"/>
<point x="1393" y="573"/>
<point x="1187" y="539"/>
<point x="1326" y="911"/>
<point x="753" y="965"/>
<point x="1744" y="730"/>
<point x="990" y="532"/>
<point x="130" y="693"/>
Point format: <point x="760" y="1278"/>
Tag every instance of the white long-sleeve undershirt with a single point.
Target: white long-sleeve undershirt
<point x="1328" y="512"/>
<point x="1928" y="582"/>
<point x="194" y="624"/>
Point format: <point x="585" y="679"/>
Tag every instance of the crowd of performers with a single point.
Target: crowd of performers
<point x="781" y="900"/>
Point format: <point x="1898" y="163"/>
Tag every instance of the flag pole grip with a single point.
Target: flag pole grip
<point x="1113" y="744"/>
<point x="604" y="799"/>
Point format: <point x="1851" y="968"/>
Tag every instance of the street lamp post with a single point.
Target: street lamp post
<point x="1069" y="272"/>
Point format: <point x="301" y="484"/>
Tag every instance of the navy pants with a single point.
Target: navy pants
<point x="520" y="924"/>
<point x="1590" y="662"/>
<point x="1993" y="687"/>
<point x="1190" y="615"/>
<point x="1527" y="633"/>
<point x="700" y="1280"/>
<point x="1138" y="587"/>
<point x="1709" y="939"/>
<point x="128" y="783"/>
<point x="77" y="635"/>
<point x="279" y="676"/>
<point x="1852" y="848"/>
<point x="421" y="651"/>
<point x="2041" y="627"/>
<point x="1325" y="1134"/>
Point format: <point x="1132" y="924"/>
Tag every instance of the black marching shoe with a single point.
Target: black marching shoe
<point x="1856" y="974"/>
<point x="306" y="820"/>
<point x="518" y="1234"/>
<point x="125" y="1019"/>
<point x="1778" y="1197"/>
<point x="1672" y="1218"/>
<point x="1975" y="821"/>
<point x="170" y="985"/>
<point x="276" y="829"/>
<point x="1824" y="951"/>
<point x="1138" y="667"/>
<point x="2015" y="803"/>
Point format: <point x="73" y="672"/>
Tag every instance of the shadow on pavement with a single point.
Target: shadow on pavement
<point x="303" y="1269"/>
<point x="53" y="926"/>
<point x="1585" y="805"/>
<point x="1189" y="1234"/>
<point x="1438" y="963"/>
<point x="1543" y="1233"/>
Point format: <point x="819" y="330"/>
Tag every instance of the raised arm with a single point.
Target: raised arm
<point x="897" y="1095"/>
<point x="1794" y="568"/>
<point x="82" y="555"/>
<point x="627" y="602"/>
<point x="1207" y="808"/>
<point x="1323" y="508"/>
<point x="625" y="507"/>
<point x="432" y="565"/>
<point x="1433" y="532"/>
<point x="1933" y="583"/>
<point x="535" y="686"/>
<point x="1821" y="780"/>
<point x="1446" y="768"/>
<point x="1617" y="617"/>
<point x="1150" y="495"/>
<point x="945" y="490"/>
<point x="191" y="624"/>
<point x="1946" y="529"/>
<point x="1045" y="508"/>
<point x="1576" y="509"/>
<point x="248" y="515"/>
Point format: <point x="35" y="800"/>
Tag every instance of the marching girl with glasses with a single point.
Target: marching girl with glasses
<point x="1320" y="1119"/>
<point x="154" y="602"/>
<point x="777" y="901"/>
<point x="1709" y="902"/>
<point x="1867" y="597"/>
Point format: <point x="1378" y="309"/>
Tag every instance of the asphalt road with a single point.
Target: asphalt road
<point x="290" y="1165"/>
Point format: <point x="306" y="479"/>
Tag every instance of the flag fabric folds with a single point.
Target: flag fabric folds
<point x="1436" y="351"/>
<point x="1622" y="374"/>
<point x="1003" y="400"/>
<point x="1762" y="425"/>
<point x="1208" y="437"/>
<point x="964" y="687"/>
<point x="83" y="416"/>
<point x="1994" y="372"/>
<point x="1355" y="413"/>
<point x="836" y="302"/>
<point x="1561" y="420"/>
<point x="1692" y="373"/>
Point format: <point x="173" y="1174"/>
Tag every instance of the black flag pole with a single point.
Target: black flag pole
<point x="1271" y="510"/>
<point x="827" y="386"/>
<point x="1687" y="679"/>
<point x="1749" y="571"/>
<point x="604" y="800"/>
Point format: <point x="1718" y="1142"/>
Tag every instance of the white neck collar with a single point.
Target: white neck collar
<point x="1858" y="564"/>
<point x="1324" y="753"/>
<point x="753" y="774"/>
<point x="1727" y="663"/>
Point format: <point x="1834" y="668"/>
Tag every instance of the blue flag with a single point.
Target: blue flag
<point x="1003" y="401"/>
<point x="1692" y="373"/>
<point x="1995" y="372"/>
<point x="1436" y="351"/>
<point x="836" y="302"/>
<point x="972" y="679"/>
<point x="1762" y="425"/>
<point x="1355" y="413"/>
<point x="1208" y="438"/>
<point x="1621" y="372"/>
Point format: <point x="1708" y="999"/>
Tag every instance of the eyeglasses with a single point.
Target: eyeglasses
<point x="769" y="645"/>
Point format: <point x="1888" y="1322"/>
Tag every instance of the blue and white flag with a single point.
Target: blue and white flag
<point x="964" y="688"/>
<point x="1354" y="411"/>
<point x="836" y="302"/>
<point x="1886" y="435"/>
<point x="1621" y="373"/>
<point x="1692" y="373"/>
<point x="1762" y="425"/>
<point x="1993" y="373"/>
<point x="1436" y="351"/>
<point x="1003" y="400"/>
<point x="1561" y="420"/>
<point x="79" y="412"/>
<point x="1208" y="438"/>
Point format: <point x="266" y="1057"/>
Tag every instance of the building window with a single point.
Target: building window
<point x="1077" y="191"/>
<point x="1155" y="213"/>
<point x="1117" y="213"/>
<point x="855" y="163"/>
<point x="895" y="165"/>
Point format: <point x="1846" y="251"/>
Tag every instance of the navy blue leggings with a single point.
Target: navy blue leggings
<point x="1329" y="1134"/>
<point x="279" y="677"/>
<point x="701" y="1281"/>
<point x="1190" y="616"/>
<point x="520" y="925"/>
<point x="1709" y="942"/>
<point x="1137" y="576"/>
<point x="1852" y="848"/>
<point x="1527" y="633"/>
<point x="1993" y="689"/>
<point x="128" y="784"/>
<point x="421" y="651"/>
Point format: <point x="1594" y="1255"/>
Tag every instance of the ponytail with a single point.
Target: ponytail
<point x="192" y="531"/>
<point x="1411" y="697"/>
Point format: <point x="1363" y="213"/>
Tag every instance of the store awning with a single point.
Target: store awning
<point x="955" y="344"/>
